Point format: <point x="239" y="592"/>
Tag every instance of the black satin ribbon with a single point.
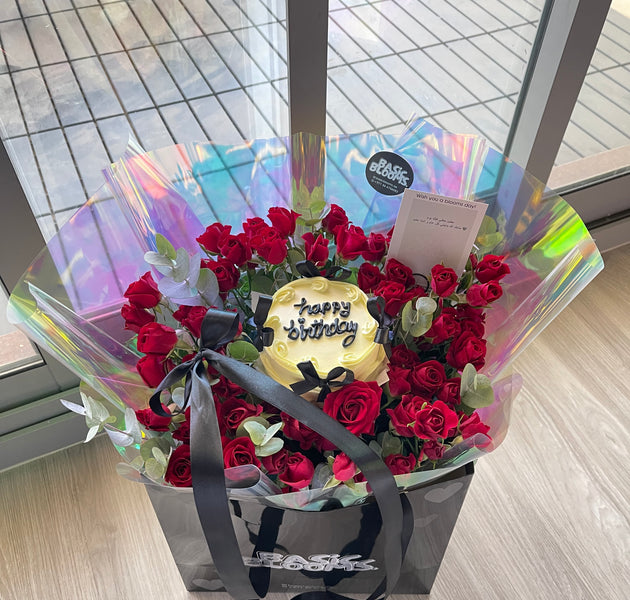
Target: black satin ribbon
<point x="312" y="379"/>
<point x="376" y="308"/>
<point x="207" y="466"/>
<point x="265" y="334"/>
<point x="307" y="268"/>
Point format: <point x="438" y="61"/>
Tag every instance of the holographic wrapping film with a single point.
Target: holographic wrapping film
<point x="69" y="299"/>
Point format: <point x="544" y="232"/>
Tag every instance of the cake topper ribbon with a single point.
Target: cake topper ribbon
<point x="376" y="308"/>
<point x="265" y="334"/>
<point x="312" y="379"/>
<point x="307" y="268"/>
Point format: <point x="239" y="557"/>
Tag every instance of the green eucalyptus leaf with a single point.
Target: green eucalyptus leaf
<point x="164" y="247"/>
<point x="91" y="433"/>
<point x="317" y="207"/>
<point x="263" y="284"/>
<point x="241" y="431"/>
<point x="160" y="456"/>
<point x="154" y="258"/>
<point x="181" y="270"/>
<point x="174" y="289"/>
<point x="468" y="378"/>
<point x="154" y="469"/>
<point x="422" y="325"/>
<point x="242" y="351"/>
<point x="488" y="226"/>
<point x="426" y="305"/>
<point x="146" y="448"/>
<point x="256" y="432"/>
<point x="478" y="396"/>
<point x="137" y="463"/>
<point x="271" y="431"/>
<point x="407" y="317"/>
<point x="271" y="447"/>
<point x="391" y="444"/>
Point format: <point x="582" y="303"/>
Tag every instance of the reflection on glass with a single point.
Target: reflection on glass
<point x="16" y="352"/>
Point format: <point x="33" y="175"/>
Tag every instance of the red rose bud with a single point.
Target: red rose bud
<point x="335" y="218"/>
<point x="343" y="468"/>
<point x="394" y="295"/>
<point x="276" y="463"/>
<point x="435" y="421"/>
<point x="240" y="451"/>
<point x="404" y="414"/>
<point x="270" y="246"/>
<point x="402" y="356"/>
<point x="191" y="318"/>
<point x="399" y="384"/>
<point x="153" y="368"/>
<point x="467" y="348"/>
<point x="376" y="247"/>
<point x="491" y="268"/>
<point x="294" y="430"/>
<point x="399" y="464"/>
<point x="471" y="319"/>
<point x="444" y="327"/>
<point x="135" y="317"/>
<point x="298" y="472"/>
<point x="369" y="277"/>
<point x="396" y="271"/>
<point x="450" y="392"/>
<point x="143" y="293"/>
<point x="148" y="419"/>
<point x="235" y="248"/>
<point x="182" y="433"/>
<point x="155" y="338"/>
<point x="178" y="471"/>
<point x="483" y="294"/>
<point x="283" y="220"/>
<point x="472" y="425"/>
<point x="235" y="410"/>
<point x="432" y="450"/>
<point x="253" y="226"/>
<point x="428" y="378"/>
<point x="226" y="273"/>
<point x="356" y="406"/>
<point x="351" y="242"/>
<point x="213" y="236"/>
<point x="443" y="280"/>
<point x="316" y="248"/>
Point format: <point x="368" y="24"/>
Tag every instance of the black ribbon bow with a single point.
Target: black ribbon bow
<point x="376" y="308"/>
<point x="312" y="379"/>
<point x="265" y="334"/>
<point x="307" y="268"/>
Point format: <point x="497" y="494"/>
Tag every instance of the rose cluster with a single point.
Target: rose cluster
<point x="414" y="418"/>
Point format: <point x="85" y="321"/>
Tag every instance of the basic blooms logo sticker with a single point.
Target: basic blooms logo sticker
<point x="315" y="562"/>
<point x="389" y="173"/>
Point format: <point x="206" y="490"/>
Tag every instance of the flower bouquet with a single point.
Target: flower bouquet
<point x="274" y="375"/>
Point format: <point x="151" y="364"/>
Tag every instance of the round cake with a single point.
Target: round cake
<point x="324" y="322"/>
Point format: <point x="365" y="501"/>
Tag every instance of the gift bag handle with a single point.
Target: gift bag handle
<point x="219" y="327"/>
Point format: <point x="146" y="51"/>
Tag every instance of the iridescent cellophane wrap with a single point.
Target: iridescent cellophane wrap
<point x="70" y="297"/>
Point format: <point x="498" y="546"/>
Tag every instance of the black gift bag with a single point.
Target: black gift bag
<point x="339" y="550"/>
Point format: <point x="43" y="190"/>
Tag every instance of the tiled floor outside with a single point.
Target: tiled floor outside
<point x="78" y="76"/>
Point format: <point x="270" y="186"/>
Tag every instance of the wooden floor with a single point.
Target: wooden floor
<point x="546" y="516"/>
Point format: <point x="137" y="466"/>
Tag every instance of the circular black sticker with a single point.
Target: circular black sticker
<point x="388" y="173"/>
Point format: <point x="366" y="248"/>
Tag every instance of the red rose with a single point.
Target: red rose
<point x="402" y="356"/>
<point x="143" y="293"/>
<point x="135" y="317"/>
<point x="471" y="319"/>
<point x="224" y="389"/>
<point x="178" y="470"/>
<point x="443" y="280"/>
<point x="150" y="420"/>
<point x="399" y="383"/>
<point x="473" y="260"/>
<point x="399" y="464"/>
<point x="240" y="451"/>
<point x="182" y="433"/>
<point x="276" y="463"/>
<point x="269" y="245"/>
<point x="283" y="220"/>
<point x="428" y="378"/>
<point x="467" y="348"/>
<point x="376" y="247"/>
<point x="403" y="414"/>
<point x="316" y="248"/>
<point x="450" y="392"/>
<point x="369" y="277"/>
<point x="153" y="368"/>
<point x="394" y="294"/>
<point x="235" y="248"/>
<point x="343" y="468"/>
<point x="396" y="271"/>
<point x="253" y="226"/>
<point x="351" y="242"/>
<point x="355" y="406"/>
<point x="433" y="450"/>
<point x="335" y="218"/>
<point x="191" y="317"/>
<point x="435" y="421"/>
<point x="294" y="430"/>
<point x="491" y="268"/>
<point x="234" y="411"/>
<point x="472" y="425"/>
<point x="226" y="273"/>
<point x="155" y="338"/>
<point x="444" y="327"/>
<point x="484" y="293"/>
<point x="213" y="236"/>
<point x="298" y="472"/>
